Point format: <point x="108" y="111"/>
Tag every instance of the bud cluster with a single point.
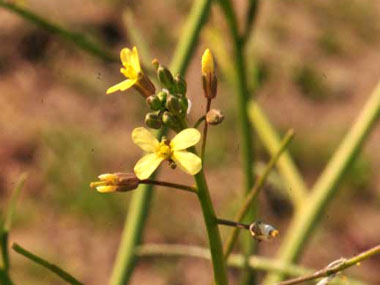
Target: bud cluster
<point x="169" y="106"/>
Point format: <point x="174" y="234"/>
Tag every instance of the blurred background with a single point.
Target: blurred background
<point x="318" y="62"/>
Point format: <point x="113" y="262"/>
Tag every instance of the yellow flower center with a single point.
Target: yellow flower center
<point x="164" y="150"/>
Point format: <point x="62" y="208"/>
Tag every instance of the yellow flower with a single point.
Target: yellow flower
<point x="130" y="60"/>
<point x="175" y="150"/>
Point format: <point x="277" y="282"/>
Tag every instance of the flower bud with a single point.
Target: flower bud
<point x="120" y="182"/>
<point x="180" y="84"/>
<point x="165" y="77"/>
<point x="153" y="120"/>
<point x="209" y="79"/>
<point x="173" y="105"/>
<point x="162" y="95"/>
<point x="171" y="121"/>
<point x="214" y="117"/>
<point x="184" y="103"/>
<point x="153" y="102"/>
<point x="261" y="231"/>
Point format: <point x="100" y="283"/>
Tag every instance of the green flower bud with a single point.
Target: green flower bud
<point x="153" y="120"/>
<point x="165" y="77"/>
<point x="180" y="84"/>
<point x="171" y="121"/>
<point x="154" y="102"/>
<point x="214" y="117"/>
<point x="172" y="104"/>
<point x="184" y="103"/>
<point x="162" y="97"/>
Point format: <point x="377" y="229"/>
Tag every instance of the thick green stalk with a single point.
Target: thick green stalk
<point x="215" y="242"/>
<point x="78" y="39"/>
<point x="50" y="266"/>
<point x="326" y="186"/>
<point x="247" y="147"/>
<point x="286" y="166"/>
<point x="139" y="206"/>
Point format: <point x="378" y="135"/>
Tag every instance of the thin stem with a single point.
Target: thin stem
<point x="329" y="270"/>
<point x="205" y="128"/>
<point x="325" y="188"/>
<point x="169" y="184"/>
<point x="233" y="224"/>
<point x="138" y="209"/>
<point x="286" y="166"/>
<point x="200" y="120"/>
<point x="78" y="39"/>
<point x="251" y="196"/>
<point x="235" y="260"/>
<point x="52" y="267"/>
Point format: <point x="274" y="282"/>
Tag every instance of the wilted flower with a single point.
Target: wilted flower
<point x="261" y="231"/>
<point x="112" y="182"/>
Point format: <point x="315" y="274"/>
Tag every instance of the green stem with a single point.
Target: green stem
<point x="169" y="184"/>
<point x="326" y="186"/>
<point x="251" y="196"/>
<point x="76" y="38"/>
<point x="141" y="199"/>
<point x="200" y="120"/>
<point x="52" y="267"/>
<point x="247" y="146"/>
<point x="286" y="166"/>
<point x="215" y="242"/>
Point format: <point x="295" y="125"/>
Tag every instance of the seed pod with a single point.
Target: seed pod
<point x="153" y="102"/>
<point x="180" y="84"/>
<point x="153" y="120"/>
<point x="172" y="104"/>
<point x="214" y="117"/>
<point x="261" y="231"/>
<point x="165" y="77"/>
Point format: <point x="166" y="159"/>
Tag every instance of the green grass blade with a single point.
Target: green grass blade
<point x="6" y="226"/>
<point x="77" y="39"/>
<point x="50" y="266"/>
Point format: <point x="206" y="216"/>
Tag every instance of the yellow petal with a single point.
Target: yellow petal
<point x="187" y="161"/>
<point x="207" y="62"/>
<point x="122" y="86"/>
<point x="185" y="139"/>
<point x="145" y="139"/>
<point x="147" y="165"/>
<point x="135" y="60"/>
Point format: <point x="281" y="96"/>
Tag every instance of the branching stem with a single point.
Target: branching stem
<point x="169" y="184"/>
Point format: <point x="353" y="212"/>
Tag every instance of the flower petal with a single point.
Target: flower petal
<point x="135" y="60"/>
<point x="122" y="86"/>
<point x="147" y="165"/>
<point x="145" y="139"/>
<point x="126" y="56"/>
<point x="185" y="139"/>
<point x="187" y="161"/>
